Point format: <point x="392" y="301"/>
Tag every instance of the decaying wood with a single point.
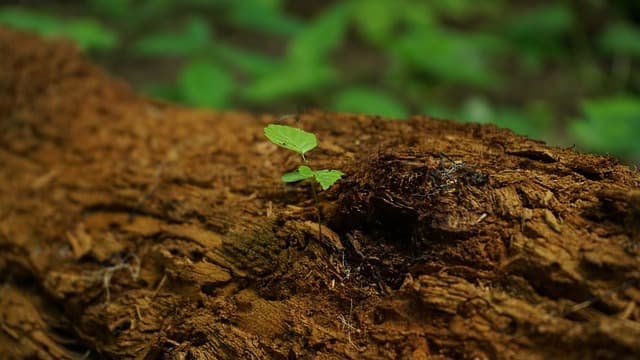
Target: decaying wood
<point x="131" y="228"/>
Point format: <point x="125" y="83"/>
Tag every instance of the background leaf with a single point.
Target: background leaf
<point x="31" y="20"/>
<point x="263" y="15"/>
<point x="621" y="38"/>
<point x="290" y="80"/>
<point x="193" y="39"/>
<point x="87" y="33"/>
<point x="90" y="35"/>
<point x="448" y="55"/>
<point x="204" y="84"/>
<point x="610" y="125"/>
<point x="375" y="19"/>
<point x="320" y="37"/>
<point x="249" y="62"/>
<point x="363" y="100"/>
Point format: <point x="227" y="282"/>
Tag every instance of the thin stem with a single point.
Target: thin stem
<point x="316" y="201"/>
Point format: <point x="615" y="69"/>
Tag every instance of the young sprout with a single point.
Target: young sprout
<point x="301" y="142"/>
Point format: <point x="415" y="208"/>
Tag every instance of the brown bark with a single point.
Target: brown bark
<point x="134" y="228"/>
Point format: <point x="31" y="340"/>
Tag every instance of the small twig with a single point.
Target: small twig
<point x="160" y="284"/>
<point x="628" y="310"/>
<point x="587" y="303"/>
<point x="106" y="274"/>
<point x="481" y="217"/>
<point x="350" y="328"/>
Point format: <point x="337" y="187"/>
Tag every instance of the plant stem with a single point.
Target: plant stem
<point x="316" y="201"/>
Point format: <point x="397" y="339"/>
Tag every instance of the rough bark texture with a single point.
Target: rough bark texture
<point x="131" y="228"/>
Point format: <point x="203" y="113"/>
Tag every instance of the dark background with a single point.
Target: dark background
<point x="563" y="71"/>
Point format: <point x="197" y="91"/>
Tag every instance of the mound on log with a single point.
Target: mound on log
<point x="131" y="228"/>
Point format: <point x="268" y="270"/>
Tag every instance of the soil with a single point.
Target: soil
<point x="132" y="228"/>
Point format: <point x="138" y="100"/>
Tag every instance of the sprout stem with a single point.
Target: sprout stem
<point x="316" y="201"/>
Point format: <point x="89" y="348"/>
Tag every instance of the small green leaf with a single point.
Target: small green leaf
<point x="291" y="138"/>
<point x="326" y="178"/>
<point x="303" y="172"/>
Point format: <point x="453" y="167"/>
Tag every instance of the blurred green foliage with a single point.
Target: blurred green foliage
<point x="563" y="71"/>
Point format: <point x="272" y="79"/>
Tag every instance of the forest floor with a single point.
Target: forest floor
<point x="132" y="228"/>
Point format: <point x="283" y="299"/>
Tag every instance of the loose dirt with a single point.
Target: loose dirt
<point x="132" y="228"/>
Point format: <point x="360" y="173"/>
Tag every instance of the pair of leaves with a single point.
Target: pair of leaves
<point x="301" y="142"/>
<point x="325" y="178"/>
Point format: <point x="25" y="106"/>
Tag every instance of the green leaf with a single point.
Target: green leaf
<point x="610" y="125"/>
<point x="621" y="38"/>
<point x="463" y="9"/>
<point x="91" y="35"/>
<point x="542" y="23"/>
<point x="114" y="9"/>
<point x="291" y="138"/>
<point x="303" y="172"/>
<point x="249" y="62"/>
<point x="195" y="38"/>
<point x="87" y="33"/>
<point x="326" y="178"/>
<point x="375" y="20"/>
<point x="456" y="57"/>
<point x="262" y="15"/>
<point x="37" y="22"/>
<point x="369" y="101"/>
<point x="290" y="79"/>
<point x="320" y="37"/>
<point x="205" y="84"/>
<point x="539" y="33"/>
<point x="417" y="14"/>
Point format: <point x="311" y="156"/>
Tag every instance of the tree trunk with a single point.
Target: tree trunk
<point x="131" y="228"/>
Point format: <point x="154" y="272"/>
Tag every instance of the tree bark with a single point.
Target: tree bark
<point x="133" y="228"/>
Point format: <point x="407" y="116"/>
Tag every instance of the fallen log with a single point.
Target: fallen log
<point x="133" y="228"/>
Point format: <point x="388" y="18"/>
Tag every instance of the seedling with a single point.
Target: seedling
<point x="302" y="142"/>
